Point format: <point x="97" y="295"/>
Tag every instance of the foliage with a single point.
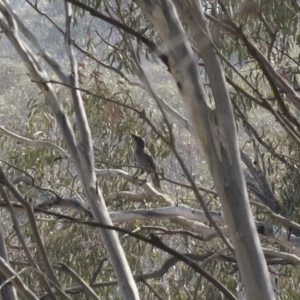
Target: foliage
<point x="263" y="113"/>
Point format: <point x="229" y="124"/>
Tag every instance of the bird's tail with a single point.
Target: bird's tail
<point x="155" y="180"/>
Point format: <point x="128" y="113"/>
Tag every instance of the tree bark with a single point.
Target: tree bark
<point x="7" y="291"/>
<point x="215" y="129"/>
<point x="81" y="150"/>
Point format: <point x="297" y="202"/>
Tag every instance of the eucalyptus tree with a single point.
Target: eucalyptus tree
<point x="210" y="84"/>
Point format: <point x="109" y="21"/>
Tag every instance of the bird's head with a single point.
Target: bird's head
<point x="138" y="140"/>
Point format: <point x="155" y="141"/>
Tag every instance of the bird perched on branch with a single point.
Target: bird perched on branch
<point x="144" y="159"/>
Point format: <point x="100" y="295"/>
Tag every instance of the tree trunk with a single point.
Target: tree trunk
<point x="215" y="129"/>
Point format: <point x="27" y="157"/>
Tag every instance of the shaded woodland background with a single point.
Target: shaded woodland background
<point x="267" y="120"/>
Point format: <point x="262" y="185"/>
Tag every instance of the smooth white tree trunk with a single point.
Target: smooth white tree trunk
<point x="215" y="129"/>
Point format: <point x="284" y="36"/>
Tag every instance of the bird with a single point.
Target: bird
<point x="143" y="158"/>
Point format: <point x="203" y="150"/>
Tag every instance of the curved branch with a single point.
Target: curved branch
<point x="34" y="143"/>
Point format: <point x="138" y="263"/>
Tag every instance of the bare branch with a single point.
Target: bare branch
<point x="16" y="281"/>
<point x="86" y="287"/>
<point x="34" y="143"/>
<point x="40" y="246"/>
<point x="23" y="243"/>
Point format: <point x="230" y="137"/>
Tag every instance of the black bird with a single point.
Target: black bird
<point x="144" y="159"/>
